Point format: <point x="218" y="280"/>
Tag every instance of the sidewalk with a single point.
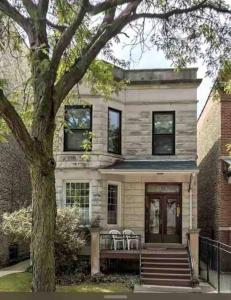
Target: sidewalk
<point x="17" y="268"/>
<point x="202" y="288"/>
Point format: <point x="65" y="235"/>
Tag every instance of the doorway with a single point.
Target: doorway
<point x="163" y="215"/>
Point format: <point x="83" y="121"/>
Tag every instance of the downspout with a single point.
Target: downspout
<point x="190" y="200"/>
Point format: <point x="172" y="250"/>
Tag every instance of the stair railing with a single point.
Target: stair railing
<point x="190" y="257"/>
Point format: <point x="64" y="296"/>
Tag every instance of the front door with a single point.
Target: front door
<point x="163" y="218"/>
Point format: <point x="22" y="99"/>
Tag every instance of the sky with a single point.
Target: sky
<point x="152" y="59"/>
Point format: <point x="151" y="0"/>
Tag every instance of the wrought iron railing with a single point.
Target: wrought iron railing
<point x="190" y="257"/>
<point x="108" y="242"/>
<point x="215" y="264"/>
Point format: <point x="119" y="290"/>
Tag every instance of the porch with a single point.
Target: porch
<point x="157" y="264"/>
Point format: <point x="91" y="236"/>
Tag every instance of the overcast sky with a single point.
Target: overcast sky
<point x="154" y="59"/>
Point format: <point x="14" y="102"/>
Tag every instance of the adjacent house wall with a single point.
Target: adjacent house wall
<point x="214" y="133"/>
<point x="15" y="191"/>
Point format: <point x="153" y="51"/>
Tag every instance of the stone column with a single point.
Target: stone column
<point x="95" y="251"/>
<point x="194" y="244"/>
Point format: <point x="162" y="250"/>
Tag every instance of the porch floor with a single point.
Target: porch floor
<point x="135" y="254"/>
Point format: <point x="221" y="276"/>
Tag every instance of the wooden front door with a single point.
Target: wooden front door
<point x="163" y="218"/>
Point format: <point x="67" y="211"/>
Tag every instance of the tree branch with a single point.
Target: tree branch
<point x="58" y="27"/>
<point x="78" y="70"/>
<point x="30" y="7"/>
<point x="179" y="11"/>
<point x="16" y="125"/>
<point x="43" y="7"/>
<point x="100" y="7"/>
<point x="14" y="14"/>
<point x="67" y="35"/>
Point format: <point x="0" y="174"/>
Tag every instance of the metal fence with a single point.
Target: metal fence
<point x="215" y="264"/>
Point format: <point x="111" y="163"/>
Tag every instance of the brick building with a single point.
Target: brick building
<point x="214" y="160"/>
<point x="15" y="192"/>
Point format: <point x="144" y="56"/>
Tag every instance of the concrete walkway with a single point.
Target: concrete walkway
<point x="17" y="268"/>
<point x="202" y="288"/>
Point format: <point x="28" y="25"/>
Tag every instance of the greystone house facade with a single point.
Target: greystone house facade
<point x="141" y="173"/>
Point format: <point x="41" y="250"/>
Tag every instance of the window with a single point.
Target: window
<point x="114" y="131"/>
<point x="78" y="125"/>
<point x="112" y="204"/>
<point x="77" y="193"/>
<point x="164" y="133"/>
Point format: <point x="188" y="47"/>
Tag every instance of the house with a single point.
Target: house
<point x="214" y="160"/>
<point x="142" y="172"/>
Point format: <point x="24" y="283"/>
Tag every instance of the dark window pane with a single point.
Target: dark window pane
<point x="78" y="118"/>
<point x="77" y="127"/>
<point x="163" y="144"/>
<point x="163" y="123"/>
<point x="112" y="203"/>
<point x="74" y="140"/>
<point x="114" y="131"/>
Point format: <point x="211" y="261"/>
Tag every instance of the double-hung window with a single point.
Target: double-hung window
<point x="78" y="194"/>
<point x="78" y="126"/>
<point x="112" y="211"/>
<point x="114" y="131"/>
<point x="163" y="133"/>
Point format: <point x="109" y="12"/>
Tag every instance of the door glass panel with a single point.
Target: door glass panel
<point x="154" y="222"/>
<point x="171" y="216"/>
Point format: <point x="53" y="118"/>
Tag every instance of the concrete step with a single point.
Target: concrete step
<point x="165" y="259"/>
<point x="164" y="264"/>
<point x="168" y="254"/>
<point x="145" y="275"/>
<point x="185" y="270"/>
<point x="166" y="282"/>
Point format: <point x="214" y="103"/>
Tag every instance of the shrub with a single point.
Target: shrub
<point x="69" y="237"/>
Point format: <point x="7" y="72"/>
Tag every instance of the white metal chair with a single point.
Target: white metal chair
<point x="131" y="238"/>
<point x="117" y="238"/>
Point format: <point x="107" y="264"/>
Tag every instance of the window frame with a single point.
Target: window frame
<point x="76" y="130"/>
<point x="173" y="134"/>
<point x="118" y="219"/>
<point x="120" y="131"/>
<point x="90" y="196"/>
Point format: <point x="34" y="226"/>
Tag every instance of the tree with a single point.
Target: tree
<point x="64" y="38"/>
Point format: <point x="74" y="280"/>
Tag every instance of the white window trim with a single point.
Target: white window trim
<point x="118" y="184"/>
<point x="90" y="194"/>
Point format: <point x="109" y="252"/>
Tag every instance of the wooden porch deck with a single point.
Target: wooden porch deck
<point x="135" y="254"/>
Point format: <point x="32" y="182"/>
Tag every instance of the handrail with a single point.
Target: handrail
<point x="190" y="257"/>
<point x="216" y="244"/>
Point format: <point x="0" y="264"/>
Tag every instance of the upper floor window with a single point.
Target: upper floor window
<point x="78" y="125"/>
<point x="163" y="133"/>
<point x="114" y="131"/>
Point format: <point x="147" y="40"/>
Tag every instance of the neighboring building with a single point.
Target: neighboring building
<point x="142" y="171"/>
<point x="15" y="193"/>
<point x="214" y="160"/>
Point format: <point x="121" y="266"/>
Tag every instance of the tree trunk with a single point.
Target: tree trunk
<point x="43" y="225"/>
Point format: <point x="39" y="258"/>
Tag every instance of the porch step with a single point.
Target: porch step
<point x="167" y="282"/>
<point x="154" y="275"/>
<point x="162" y="259"/>
<point x="164" y="264"/>
<point x="165" y="254"/>
<point x="166" y="268"/>
<point x="185" y="270"/>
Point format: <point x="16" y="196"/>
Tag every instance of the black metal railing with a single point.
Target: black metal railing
<point x="119" y="243"/>
<point x="190" y="256"/>
<point x="215" y="264"/>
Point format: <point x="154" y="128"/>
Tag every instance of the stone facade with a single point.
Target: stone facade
<point x="15" y="192"/>
<point x="148" y="91"/>
<point x="214" y="133"/>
